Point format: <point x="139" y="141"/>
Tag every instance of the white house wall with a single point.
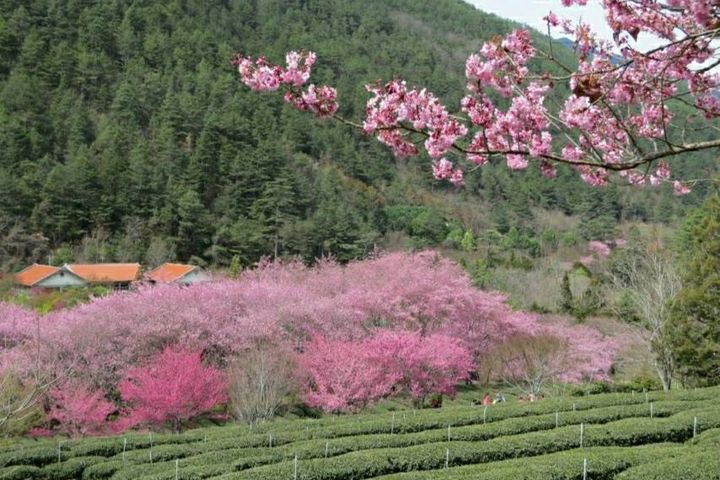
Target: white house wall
<point x="196" y="276"/>
<point x="61" y="279"/>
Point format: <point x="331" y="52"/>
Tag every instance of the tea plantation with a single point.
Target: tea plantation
<point x="610" y="436"/>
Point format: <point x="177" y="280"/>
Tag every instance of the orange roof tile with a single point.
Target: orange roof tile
<point x="106" y="272"/>
<point x="34" y="273"/>
<point x="169" y="272"/>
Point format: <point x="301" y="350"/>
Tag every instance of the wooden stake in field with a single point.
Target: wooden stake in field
<point x="270" y="440"/>
<point x="652" y="409"/>
<point x="447" y="458"/>
<point x="295" y="468"/>
<point x="485" y="414"/>
<point x="557" y="419"/>
<point x="177" y="468"/>
<point x="585" y="469"/>
<point x="694" y="427"/>
<point x="124" y="448"/>
<point x="59" y="451"/>
<point x="582" y="432"/>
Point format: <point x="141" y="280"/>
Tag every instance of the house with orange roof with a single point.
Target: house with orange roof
<point x="114" y="275"/>
<point x="177" y="273"/>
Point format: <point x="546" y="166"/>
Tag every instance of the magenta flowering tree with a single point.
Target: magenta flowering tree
<point x="173" y="387"/>
<point x="348" y="375"/>
<point x="78" y="410"/>
<point x="617" y="118"/>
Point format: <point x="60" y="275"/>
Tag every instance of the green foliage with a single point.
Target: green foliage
<point x="20" y="472"/>
<point x="127" y="118"/>
<point x="701" y="465"/>
<point x="694" y="326"/>
<point x="567" y="302"/>
<point x="367" y="445"/>
<point x="14" y="395"/>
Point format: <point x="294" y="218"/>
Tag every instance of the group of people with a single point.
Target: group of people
<point x="499" y="397"/>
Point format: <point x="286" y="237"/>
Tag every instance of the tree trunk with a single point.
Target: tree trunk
<point x="664" y="368"/>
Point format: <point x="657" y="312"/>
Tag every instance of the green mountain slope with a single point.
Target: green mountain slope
<point x="125" y="134"/>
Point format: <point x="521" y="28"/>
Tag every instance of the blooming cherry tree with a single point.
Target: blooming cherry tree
<point x="79" y="410"/>
<point x="616" y="119"/>
<point x="173" y="387"/>
<point x="344" y="375"/>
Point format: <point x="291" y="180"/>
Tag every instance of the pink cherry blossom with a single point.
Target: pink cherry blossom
<point x="617" y="105"/>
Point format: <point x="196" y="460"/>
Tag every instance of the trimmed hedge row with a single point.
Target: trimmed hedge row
<point x="603" y="463"/>
<point x="166" y="447"/>
<point x="19" y="472"/>
<point x="253" y="457"/>
<point x="287" y="430"/>
<point x="70" y="469"/>
<point x="201" y="454"/>
<point x="369" y="463"/>
<point x="700" y="465"/>
<point x="709" y="438"/>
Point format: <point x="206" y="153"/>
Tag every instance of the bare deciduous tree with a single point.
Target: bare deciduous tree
<point x="260" y="381"/>
<point x="529" y="362"/>
<point x="648" y="282"/>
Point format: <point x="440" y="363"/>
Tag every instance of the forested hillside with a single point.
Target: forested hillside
<point x="125" y="135"/>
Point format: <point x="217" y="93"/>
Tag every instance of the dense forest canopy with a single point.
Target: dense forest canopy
<point x="125" y="135"/>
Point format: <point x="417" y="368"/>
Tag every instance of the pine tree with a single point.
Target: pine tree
<point x="694" y="327"/>
<point x="567" y="303"/>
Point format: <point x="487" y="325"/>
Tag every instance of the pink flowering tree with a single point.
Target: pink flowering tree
<point x="173" y="387"/>
<point x="284" y="303"/>
<point x="344" y="375"/>
<point x="617" y="118"/>
<point x="425" y="304"/>
<point x="78" y="410"/>
<point x="423" y="365"/>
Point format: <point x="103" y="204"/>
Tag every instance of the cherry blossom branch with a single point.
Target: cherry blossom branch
<point x="613" y="106"/>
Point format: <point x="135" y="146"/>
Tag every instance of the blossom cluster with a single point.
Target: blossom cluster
<point x="262" y="76"/>
<point x="618" y="97"/>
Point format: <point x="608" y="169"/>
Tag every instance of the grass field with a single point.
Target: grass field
<point x="672" y="435"/>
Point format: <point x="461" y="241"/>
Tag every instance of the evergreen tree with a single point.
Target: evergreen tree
<point x="567" y="303"/>
<point x="694" y="327"/>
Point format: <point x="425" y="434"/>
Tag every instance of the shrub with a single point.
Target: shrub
<point x="700" y="465"/>
<point x="20" y="472"/>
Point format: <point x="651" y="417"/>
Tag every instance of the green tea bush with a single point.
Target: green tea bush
<point x="19" y="472"/>
<point x="69" y="469"/>
<point x="603" y="463"/>
<point x="368" y="463"/>
<point x="700" y="465"/>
